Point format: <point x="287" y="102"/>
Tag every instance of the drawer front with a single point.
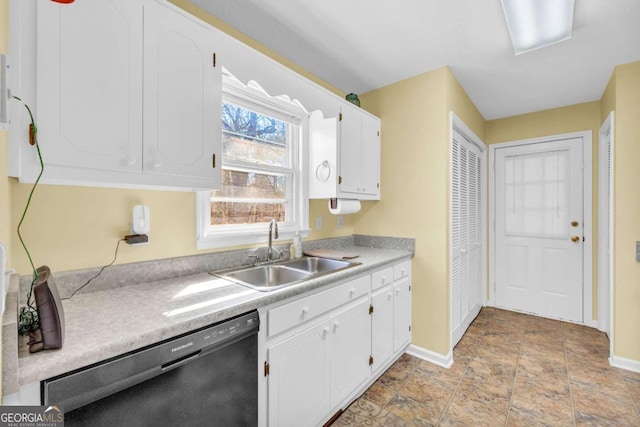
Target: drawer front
<point x="381" y="278"/>
<point x="297" y="312"/>
<point x="402" y="270"/>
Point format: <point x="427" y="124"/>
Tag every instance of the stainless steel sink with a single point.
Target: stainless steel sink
<point x="266" y="277"/>
<point x="317" y="265"/>
<point x="275" y="276"/>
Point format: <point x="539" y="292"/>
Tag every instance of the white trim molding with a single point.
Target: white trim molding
<point x="587" y="254"/>
<point x="446" y="361"/>
<point x="624" y="363"/>
<point x="606" y="208"/>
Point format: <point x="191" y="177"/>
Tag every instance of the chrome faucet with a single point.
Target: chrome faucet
<point x="273" y="224"/>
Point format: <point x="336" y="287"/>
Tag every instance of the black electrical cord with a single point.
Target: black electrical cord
<point x="115" y="256"/>
<point x="28" y="318"/>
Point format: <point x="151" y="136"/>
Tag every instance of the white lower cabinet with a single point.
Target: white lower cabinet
<point x="401" y="314"/>
<point x="299" y="378"/>
<point x="351" y="350"/>
<point x="321" y="350"/>
<point x="382" y="327"/>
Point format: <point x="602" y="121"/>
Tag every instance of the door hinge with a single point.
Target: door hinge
<point x="340" y="117"/>
<point x="339" y="179"/>
<point x="409" y="288"/>
<point x="378" y="185"/>
<point x="214" y="60"/>
<point x="378" y="133"/>
<point x="266" y="369"/>
<point x="370" y="360"/>
<point x="213" y="160"/>
<point x="409" y="328"/>
<point x="371" y="309"/>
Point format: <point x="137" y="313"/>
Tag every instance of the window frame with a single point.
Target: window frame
<point x="253" y="97"/>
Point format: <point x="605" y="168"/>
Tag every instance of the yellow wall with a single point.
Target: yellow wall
<point x="77" y="227"/>
<point x="415" y="187"/>
<point x="627" y="211"/>
<point x="573" y="118"/>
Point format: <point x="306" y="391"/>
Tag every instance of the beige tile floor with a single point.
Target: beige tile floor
<point x="509" y="369"/>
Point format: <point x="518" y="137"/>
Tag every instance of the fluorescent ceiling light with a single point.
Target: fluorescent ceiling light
<point x="538" y="23"/>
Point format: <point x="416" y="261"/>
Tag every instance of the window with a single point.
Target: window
<point x="261" y="171"/>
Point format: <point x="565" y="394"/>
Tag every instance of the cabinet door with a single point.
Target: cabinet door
<point x="370" y="157"/>
<point x="351" y="350"/>
<point x="89" y="84"/>
<point x="350" y="162"/>
<point x="299" y="378"/>
<point x="382" y="326"/>
<point x="401" y="314"/>
<point x="182" y="96"/>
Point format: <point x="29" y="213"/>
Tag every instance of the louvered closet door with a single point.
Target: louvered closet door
<point x="466" y="233"/>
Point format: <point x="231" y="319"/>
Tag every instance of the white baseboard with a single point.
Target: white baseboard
<point x="436" y="358"/>
<point x="623" y="363"/>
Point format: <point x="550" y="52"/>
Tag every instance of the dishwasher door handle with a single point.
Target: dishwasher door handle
<point x="181" y="361"/>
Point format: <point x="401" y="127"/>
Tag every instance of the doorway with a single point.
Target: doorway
<point x="541" y="226"/>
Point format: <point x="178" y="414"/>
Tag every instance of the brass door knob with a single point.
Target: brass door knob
<point x="575" y="238"/>
<point x="574" y="223"/>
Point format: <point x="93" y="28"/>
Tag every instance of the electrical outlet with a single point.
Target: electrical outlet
<point x="340" y="221"/>
<point x="319" y="223"/>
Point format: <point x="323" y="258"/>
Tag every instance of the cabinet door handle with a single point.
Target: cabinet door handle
<point x="389" y="296"/>
<point x="351" y="292"/>
<point x="384" y="280"/>
<point x="305" y="311"/>
<point x="397" y="292"/>
<point x="336" y="325"/>
<point x="325" y="330"/>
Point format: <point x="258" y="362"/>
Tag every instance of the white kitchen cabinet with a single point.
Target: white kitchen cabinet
<point x="128" y="94"/>
<point x="382" y="327"/>
<point x="314" y="370"/>
<point x="321" y="350"/>
<point x="300" y="379"/>
<point x="89" y="84"/>
<point x="359" y="175"/>
<point x="182" y="96"/>
<point x="351" y="350"/>
<point x="402" y="305"/>
<point x="344" y="155"/>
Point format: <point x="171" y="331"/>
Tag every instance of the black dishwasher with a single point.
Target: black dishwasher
<point x="208" y="377"/>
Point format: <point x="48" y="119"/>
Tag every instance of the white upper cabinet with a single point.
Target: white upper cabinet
<point x="89" y="80"/>
<point x="128" y="94"/>
<point x="345" y="155"/>
<point x="182" y="96"/>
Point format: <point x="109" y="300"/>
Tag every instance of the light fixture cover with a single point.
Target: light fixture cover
<point x="534" y="24"/>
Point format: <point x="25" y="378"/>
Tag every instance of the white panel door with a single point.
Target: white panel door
<point x="300" y="378"/>
<point x="370" y="156"/>
<point x="539" y="229"/>
<point x="382" y="326"/>
<point x="350" y="151"/>
<point x="401" y="313"/>
<point x="89" y="84"/>
<point x="351" y="350"/>
<point x="182" y="98"/>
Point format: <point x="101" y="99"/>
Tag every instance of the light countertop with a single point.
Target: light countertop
<point x="103" y="324"/>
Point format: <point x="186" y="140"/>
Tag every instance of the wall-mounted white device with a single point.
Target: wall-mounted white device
<point x="140" y="222"/>
<point x="140" y="226"/>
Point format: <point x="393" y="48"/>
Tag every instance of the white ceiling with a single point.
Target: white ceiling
<point x="361" y="45"/>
